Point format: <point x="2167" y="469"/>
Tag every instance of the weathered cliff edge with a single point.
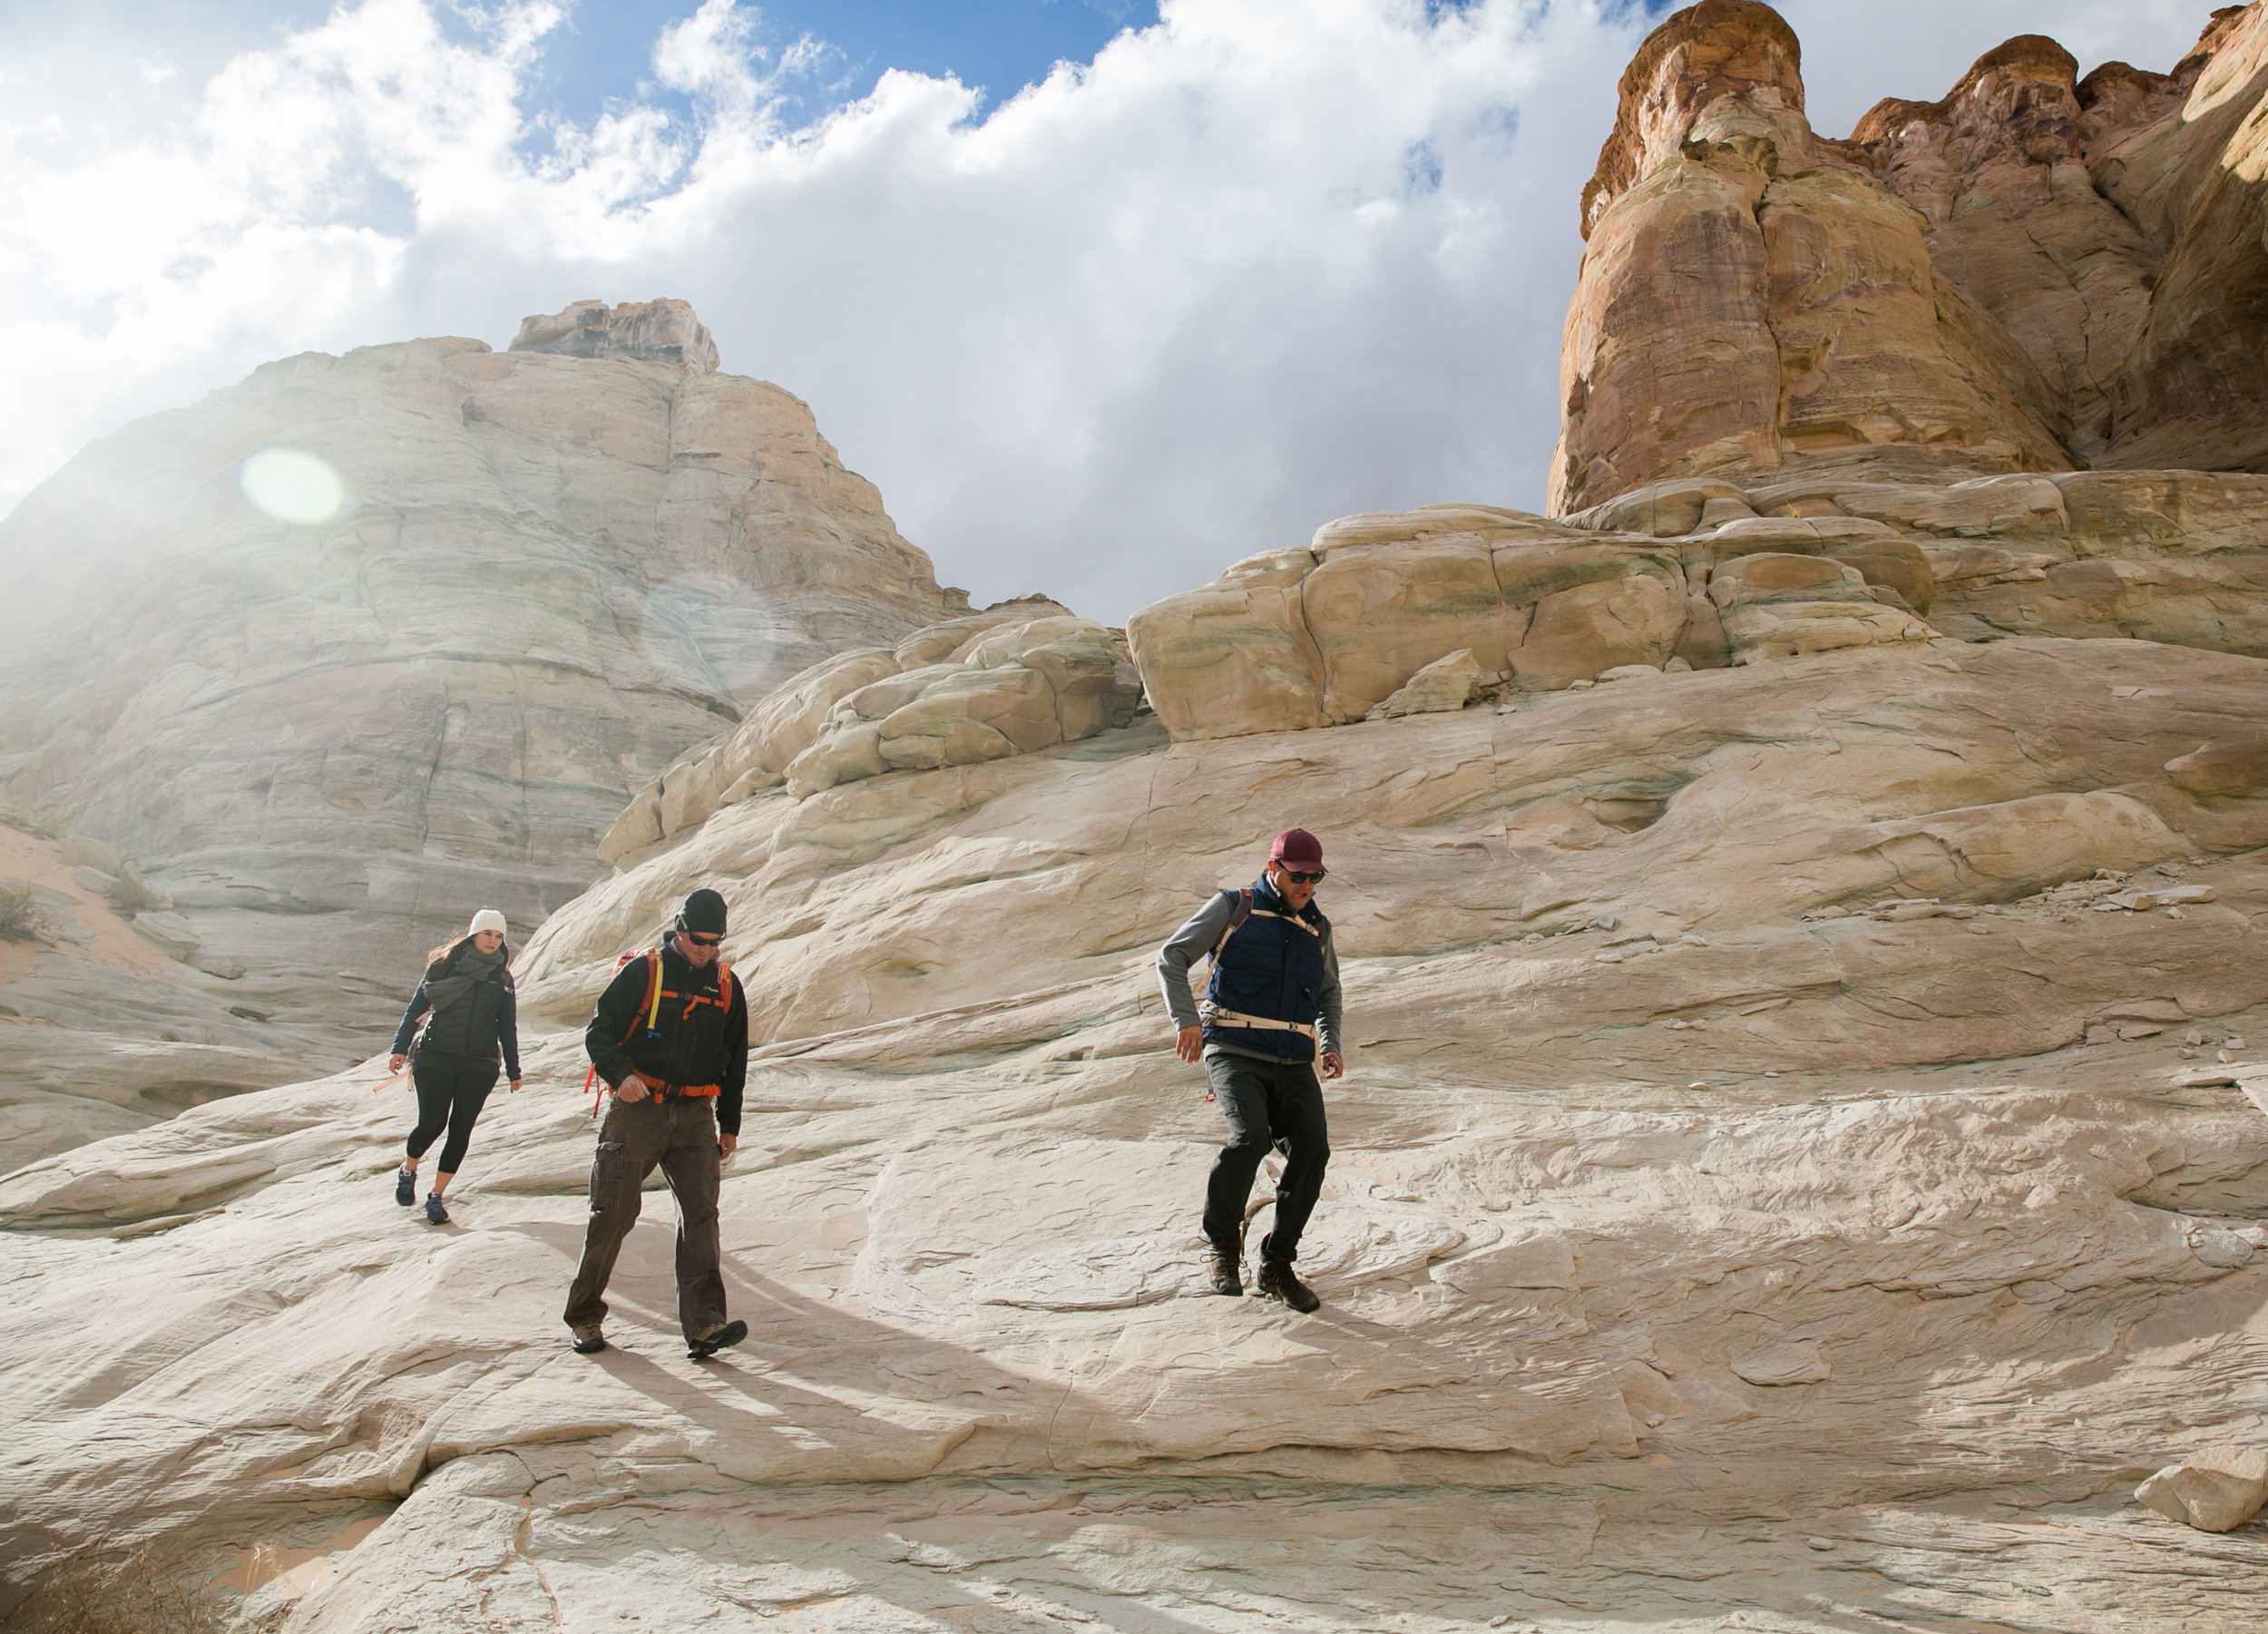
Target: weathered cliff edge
<point x="2037" y="273"/>
<point x="544" y="573"/>
<point x="1801" y="1165"/>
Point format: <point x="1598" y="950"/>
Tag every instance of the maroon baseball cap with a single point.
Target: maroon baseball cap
<point x="1297" y="848"/>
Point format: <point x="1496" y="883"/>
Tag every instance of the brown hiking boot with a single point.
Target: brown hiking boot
<point x="1229" y="1272"/>
<point x="1277" y="1282"/>
<point x="589" y="1340"/>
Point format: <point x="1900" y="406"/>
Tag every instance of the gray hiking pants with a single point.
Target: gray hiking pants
<point x="680" y="1135"/>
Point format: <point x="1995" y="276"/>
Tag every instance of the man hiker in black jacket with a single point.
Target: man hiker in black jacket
<point x="1270" y="1012"/>
<point x="672" y="1047"/>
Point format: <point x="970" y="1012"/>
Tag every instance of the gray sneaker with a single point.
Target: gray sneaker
<point x="434" y="1212"/>
<point x="405" y="1189"/>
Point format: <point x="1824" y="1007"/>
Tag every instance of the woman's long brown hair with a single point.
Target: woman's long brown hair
<point x="447" y="948"/>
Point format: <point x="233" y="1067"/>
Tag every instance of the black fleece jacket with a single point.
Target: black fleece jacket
<point x="701" y="1036"/>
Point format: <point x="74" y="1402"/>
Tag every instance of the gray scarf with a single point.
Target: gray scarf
<point x="468" y="969"/>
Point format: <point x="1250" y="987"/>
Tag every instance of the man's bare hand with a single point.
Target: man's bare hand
<point x="631" y="1089"/>
<point x="516" y="1086"/>
<point x="1190" y="1043"/>
<point x="1332" y="1065"/>
<point x="727" y="1144"/>
<point x="395" y="1063"/>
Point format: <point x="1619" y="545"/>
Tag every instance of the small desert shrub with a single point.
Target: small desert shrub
<point x="15" y="813"/>
<point x="20" y="918"/>
<point x="90" y="1597"/>
<point x="130" y="895"/>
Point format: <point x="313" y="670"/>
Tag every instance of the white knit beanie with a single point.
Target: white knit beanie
<point x="488" y="919"/>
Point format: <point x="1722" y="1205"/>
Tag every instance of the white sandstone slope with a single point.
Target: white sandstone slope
<point x="1803" y="1160"/>
<point x="1673" y="1227"/>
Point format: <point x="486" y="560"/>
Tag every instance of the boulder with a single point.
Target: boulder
<point x="2222" y="770"/>
<point x="83" y="851"/>
<point x="1577" y="633"/>
<point x="1446" y="683"/>
<point x="171" y="933"/>
<point x="2217" y="1490"/>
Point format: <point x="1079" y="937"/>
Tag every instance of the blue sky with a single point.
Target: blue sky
<point x="1259" y="264"/>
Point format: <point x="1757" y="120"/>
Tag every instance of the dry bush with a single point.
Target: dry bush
<point x="84" y="1596"/>
<point x="20" y="916"/>
<point x="130" y="895"/>
<point x="15" y="813"/>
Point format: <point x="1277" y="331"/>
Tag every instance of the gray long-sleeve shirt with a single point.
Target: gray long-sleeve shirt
<point x="1199" y="937"/>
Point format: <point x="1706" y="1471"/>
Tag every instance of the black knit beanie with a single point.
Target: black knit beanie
<point x="704" y="911"/>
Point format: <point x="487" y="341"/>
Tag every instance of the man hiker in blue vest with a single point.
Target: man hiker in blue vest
<point x="1270" y="1012"/>
<point x="672" y="1047"/>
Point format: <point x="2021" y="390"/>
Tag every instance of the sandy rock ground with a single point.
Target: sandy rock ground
<point x="1687" y="1262"/>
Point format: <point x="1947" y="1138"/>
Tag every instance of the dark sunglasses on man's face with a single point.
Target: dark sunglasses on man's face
<point x="1303" y="879"/>
<point x="702" y="941"/>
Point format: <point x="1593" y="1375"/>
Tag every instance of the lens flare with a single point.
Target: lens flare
<point x="291" y="486"/>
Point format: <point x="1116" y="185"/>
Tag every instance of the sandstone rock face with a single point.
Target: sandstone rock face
<point x="2072" y="291"/>
<point x="111" y="1024"/>
<point x="2113" y="226"/>
<point x="1646" y="1188"/>
<point x="1017" y="678"/>
<point x="1711" y="573"/>
<point x="1820" y="332"/>
<point x="546" y="576"/>
<point x="653" y="331"/>
<point x="1801" y="1159"/>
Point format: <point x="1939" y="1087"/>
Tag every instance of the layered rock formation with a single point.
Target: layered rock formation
<point x="532" y="581"/>
<point x="1701" y="573"/>
<point x="1017" y="678"/>
<point x="1804" y="1157"/>
<point x="2032" y="274"/>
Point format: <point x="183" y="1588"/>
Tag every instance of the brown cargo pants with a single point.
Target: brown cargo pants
<point x="681" y="1135"/>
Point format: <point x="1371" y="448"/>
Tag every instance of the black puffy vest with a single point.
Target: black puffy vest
<point x="1271" y="966"/>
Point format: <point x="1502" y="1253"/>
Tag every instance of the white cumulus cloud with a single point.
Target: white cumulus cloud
<point x="1261" y="264"/>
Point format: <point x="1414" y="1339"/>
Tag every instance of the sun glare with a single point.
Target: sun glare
<point x="291" y="486"/>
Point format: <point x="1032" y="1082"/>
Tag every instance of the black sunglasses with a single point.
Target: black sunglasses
<point x="1303" y="879"/>
<point x="702" y="941"/>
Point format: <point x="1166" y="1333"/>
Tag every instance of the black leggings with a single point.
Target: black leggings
<point x="451" y="1090"/>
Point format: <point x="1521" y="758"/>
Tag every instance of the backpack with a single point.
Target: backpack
<point x="652" y="1008"/>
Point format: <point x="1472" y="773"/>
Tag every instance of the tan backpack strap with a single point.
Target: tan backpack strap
<point x="1235" y="921"/>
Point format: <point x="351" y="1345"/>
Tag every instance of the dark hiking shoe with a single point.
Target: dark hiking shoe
<point x="405" y="1189"/>
<point x="589" y="1341"/>
<point x="1277" y="1282"/>
<point x="716" y="1339"/>
<point x="434" y="1212"/>
<point x="1227" y="1270"/>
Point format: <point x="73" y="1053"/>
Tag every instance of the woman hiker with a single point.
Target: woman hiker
<point x="471" y="1021"/>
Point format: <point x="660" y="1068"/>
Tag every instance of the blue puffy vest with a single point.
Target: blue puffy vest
<point x="1271" y="968"/>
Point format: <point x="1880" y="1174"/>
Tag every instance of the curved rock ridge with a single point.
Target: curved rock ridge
<point x="1698" y="574"/>
<point x="1016" y="678"/>
<point x="2070" y="295"/>
<point x="527" y="582"/>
